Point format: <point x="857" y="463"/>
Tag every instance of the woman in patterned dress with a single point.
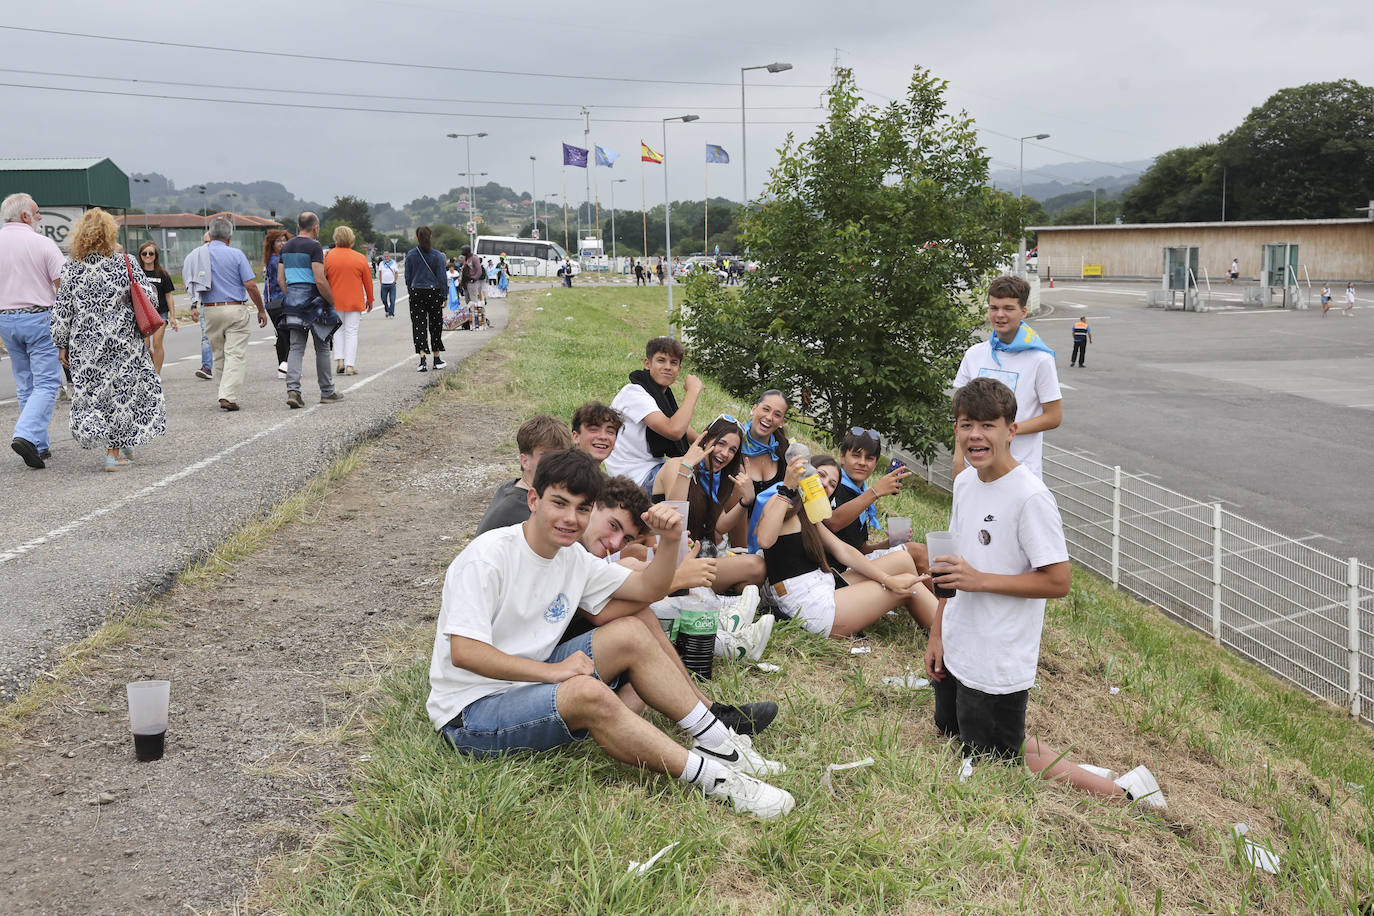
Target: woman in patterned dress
<point x="117" y="401"/>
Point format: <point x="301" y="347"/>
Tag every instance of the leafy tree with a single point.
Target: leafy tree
<point x="1306" y="153"/>
<point x="1081" y="213"/>
<point x="880" y="230"/>
<point x="352" y="212"/>
<point x="1176" y="188"/>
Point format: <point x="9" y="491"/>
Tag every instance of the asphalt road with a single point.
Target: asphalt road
<point x="1269" y="411"/>
<point x="78" y="543"/>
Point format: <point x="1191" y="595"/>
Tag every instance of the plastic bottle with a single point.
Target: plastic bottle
<point x="814" y="500"/>
<point x="696" y="636"/>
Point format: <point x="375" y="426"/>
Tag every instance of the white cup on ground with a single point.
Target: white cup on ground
<point x="148" y="702"/>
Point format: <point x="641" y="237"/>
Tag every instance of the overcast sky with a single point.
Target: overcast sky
<point x="1108" y="82"/>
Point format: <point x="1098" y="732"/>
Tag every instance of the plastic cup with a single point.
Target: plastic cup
<point x="941" y="544"/>
<point x="681" y="505"/>
<point x="148" y="702"/>
<point x="898" y="530"/>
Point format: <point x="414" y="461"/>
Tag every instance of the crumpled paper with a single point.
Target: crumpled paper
<point x="908" y="681"/>
<point x="639" y="868"/>
<point x="836" y="767"/>
<point x="1258" y="856"/>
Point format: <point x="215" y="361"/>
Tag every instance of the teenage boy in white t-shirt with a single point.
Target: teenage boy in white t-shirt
<point x="1016" y="356"/>
<point x="656" y="426"/>
<point x="985" y="642"/>
<point x="501" y="681"/>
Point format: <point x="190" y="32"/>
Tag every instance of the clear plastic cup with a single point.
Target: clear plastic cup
<point x="898" y="530"/>
<point x="941" y="544"/>
<point x="148" y="702"/>
<point x="681" y="505"/>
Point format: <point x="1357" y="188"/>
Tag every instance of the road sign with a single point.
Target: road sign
<point x="472" y="227"/>
<point x="534" y="234"/>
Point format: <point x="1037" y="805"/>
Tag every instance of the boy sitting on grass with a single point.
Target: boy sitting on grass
<point x="656" y="427"/>
<point x="535" y="437"/>
<point x="595" y="428"/>
<point x="855" y="517"/>
<point x="985" y="643"/>
<point x="502" y="679"/>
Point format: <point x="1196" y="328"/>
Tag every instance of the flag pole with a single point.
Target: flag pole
<point x="565" y="206"/>
<point x="644" y="206"/>
<point x="706" y="213"/>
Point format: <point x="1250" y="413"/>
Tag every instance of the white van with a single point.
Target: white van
<point x="526" y="257"/>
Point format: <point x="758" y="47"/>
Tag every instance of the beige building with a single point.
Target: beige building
<point x="1327" y="249"/>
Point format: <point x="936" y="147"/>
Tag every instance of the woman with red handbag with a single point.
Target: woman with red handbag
<point x="117" y="401"/>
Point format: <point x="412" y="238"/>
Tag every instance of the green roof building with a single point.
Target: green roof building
<point x="66" y="182"/>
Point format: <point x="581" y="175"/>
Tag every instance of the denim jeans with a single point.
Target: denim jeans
<point x="389" y="297"/>
<point x="324" y="369"/>
<point x="37" y="372"/>
<point x="523" y="718"/>
<point x="207" y="353"/>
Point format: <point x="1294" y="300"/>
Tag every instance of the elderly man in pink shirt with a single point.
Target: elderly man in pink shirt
<point x="30" y="264"/>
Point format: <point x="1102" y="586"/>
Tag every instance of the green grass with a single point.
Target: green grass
<point x="431" y="831"/>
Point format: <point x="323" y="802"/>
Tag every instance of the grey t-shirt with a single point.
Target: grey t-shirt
<point x="510" y="506"/>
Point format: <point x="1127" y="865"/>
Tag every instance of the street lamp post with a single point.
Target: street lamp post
<point x="472" y="194"/>
<point x="668" y="216"/>
<point x="1021" y="193"/>
<point x="743" y="136"/>
<point x="614" y="182"/>
<point x="534" y="206"/>
<point x="146" y="231"/>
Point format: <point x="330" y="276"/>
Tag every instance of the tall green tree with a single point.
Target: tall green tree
<point x="1179" y="187"/>
<point x="878" y="236"/>
<point x="1306" y="153"/>
<point x="353" y="212"/>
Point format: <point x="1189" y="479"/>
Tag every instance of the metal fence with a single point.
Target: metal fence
<point x="1301" y="613"/>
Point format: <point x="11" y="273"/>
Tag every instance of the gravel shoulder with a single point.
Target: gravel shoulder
<point x="270" y="662"/>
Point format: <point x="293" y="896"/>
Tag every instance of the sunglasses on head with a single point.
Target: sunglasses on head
<point x="726" y="416"/>
<point x="870" y="433"/>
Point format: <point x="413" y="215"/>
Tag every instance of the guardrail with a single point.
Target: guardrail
<point x="1301" y="613"/>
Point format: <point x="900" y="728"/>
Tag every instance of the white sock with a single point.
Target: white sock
<point x="703" y="726"/>
<point x="701" y="772"/>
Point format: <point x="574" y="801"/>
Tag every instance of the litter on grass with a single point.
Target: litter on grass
<point x="837" y="767"/>
<point x="860" y="650"/>
<point x="965" y="769"/>
<point x="1113" y="690"/>
<point x="639" y="868"/>
<point x="569" y="318"/>
<point x="1256" y="854"/>
<point x="769" y="667"/>
<point x="539" y="308"/>
<point x="908" y="681"/>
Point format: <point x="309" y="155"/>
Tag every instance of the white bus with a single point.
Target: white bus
<point x="526" y="257"/>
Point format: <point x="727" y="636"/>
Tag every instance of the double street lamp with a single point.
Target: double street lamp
<point x="614" y="182"/>
<point x="667" y="215"/>
<point x="1021" y="193"/>
<point x="472" y="201"/>
<point x="743" y="135"/>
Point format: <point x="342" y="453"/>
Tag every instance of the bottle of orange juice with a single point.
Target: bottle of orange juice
<point x="814" y="500"/>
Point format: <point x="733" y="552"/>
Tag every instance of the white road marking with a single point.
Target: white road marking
<point x="1067" y="387"/>
<point x="59" y="532"/>
<point x="1071" y="318"/>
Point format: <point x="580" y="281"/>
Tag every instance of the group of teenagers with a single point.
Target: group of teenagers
<point x="549" y="630"/>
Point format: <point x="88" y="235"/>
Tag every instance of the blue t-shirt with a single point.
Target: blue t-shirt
<point x="298" y="254"/>
<point x="229" y="270"/>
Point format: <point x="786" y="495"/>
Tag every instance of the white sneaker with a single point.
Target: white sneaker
<point x="737" y="753"/>
<point x="739" y="614"/>
<point x="1142" y="788"/>
<point x="1105" y="773"/>
<point x="747" y="643"/>
<point x="281" y="369"/>
<point x="752" y="796"/>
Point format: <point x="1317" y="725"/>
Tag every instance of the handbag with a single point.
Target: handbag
<point x="145" y="315"/>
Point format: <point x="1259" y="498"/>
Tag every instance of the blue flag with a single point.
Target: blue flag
<point x="1025" y="339"/>
<point x="716" y="153"/>
<point x="606" y="157"/>
<point x="574" y="155"/>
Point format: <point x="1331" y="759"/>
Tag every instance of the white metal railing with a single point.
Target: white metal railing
<point x="1301" y="613"/>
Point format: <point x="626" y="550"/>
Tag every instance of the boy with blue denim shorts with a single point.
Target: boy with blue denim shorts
<point x="984" y="645"/>
<point x="501" y="681"/>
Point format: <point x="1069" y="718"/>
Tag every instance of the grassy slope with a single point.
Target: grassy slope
<point x="434" y="832"/>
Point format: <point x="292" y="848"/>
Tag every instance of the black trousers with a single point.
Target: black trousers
<point x="1080" y="350"/>
<point x="427" y="319"/>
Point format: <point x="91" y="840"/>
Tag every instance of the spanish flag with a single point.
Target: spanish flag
<point x="648" y="155"/>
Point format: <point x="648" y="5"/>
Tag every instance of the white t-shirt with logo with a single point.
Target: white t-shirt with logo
<point x="631" y="456"/>
<point x="500" y="592"/>
<point x="1007" y="527"/>
<point x="386" y="272"/>
<point x="1031" y="375"/>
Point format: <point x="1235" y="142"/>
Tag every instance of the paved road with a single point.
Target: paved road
<point x="78" y="542"/>
<point x="1269" y="411"/>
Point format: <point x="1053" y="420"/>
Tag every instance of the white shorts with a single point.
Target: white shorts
<point x="810" y="598"/>
<point x="882" y="553"/>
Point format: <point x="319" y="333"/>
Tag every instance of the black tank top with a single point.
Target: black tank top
<point x="778" y="474"/>
<point x="787" y="558"/>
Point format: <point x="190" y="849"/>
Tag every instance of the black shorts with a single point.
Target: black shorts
<point x="988" y="724"/>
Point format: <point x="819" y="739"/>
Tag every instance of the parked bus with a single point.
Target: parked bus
<point x="526" y="257"/>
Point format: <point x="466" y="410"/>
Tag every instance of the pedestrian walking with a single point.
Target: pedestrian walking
<point x="639" y="273"/>
<point x="1234" y="274"/>
<point x="1326" y="298"/>
<point x="227" y="314"/>
<point x="30" y="265"/>
<point x="386" y="283"/>
<point x="276" y="295"/>
<point x="195" y="273"/>
<point x="1082" y="336"/>
<point x="308" y="310"/>
<point x="426" y="288"/>
<point x="350" y="278"/>
<point x="162" y="284"/>
<point x="1349" y="309"/>
<point x="117" y="401"/>
<point x="658" y="269"/>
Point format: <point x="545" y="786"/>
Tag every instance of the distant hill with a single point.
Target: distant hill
<point x="1072" y="178"/>
<point x="154" y="193"/>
